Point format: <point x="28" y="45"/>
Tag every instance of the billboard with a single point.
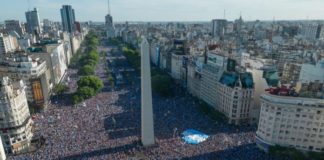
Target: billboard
<point x="37" y="91"/>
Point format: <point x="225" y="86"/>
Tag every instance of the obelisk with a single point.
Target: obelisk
<point x="147" y="109"/>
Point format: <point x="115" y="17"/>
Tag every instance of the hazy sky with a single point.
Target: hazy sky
<point x="168" y="10"/>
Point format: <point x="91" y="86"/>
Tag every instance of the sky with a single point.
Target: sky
<point x="168" y="10"/>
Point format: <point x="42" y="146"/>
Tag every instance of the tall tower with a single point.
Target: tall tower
<point x="147" y="109"/>
<point x="68" y="18"/>
<point x="218" y="28"/>
<point x="110" y="28"/>
<point x="33" y="23"/>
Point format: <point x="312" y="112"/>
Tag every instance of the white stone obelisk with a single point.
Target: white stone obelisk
<point x="147" y="109"/>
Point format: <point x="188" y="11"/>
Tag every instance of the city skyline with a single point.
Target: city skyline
<point x="180" y="10"/>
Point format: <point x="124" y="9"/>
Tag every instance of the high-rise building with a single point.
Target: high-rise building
<point x="109" y="24"/>
<point x="312" y="31"/>
<point x="68" y="18"/>
<point x="14" y="25"/>
<point x="15" y="119"/>
<point x="33" y="22"/>
<point x="218" y="28"/>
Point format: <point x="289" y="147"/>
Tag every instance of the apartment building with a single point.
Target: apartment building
<point x="291" y="121"/>
<point x="8" y="44"/>
<point x="227" y="91"/>
<point x="53" y="52"/>
<point x="33" y="71"/>
<point x="15" y="119"/>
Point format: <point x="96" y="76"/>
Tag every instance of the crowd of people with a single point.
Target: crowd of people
<point x="107" y="126"/>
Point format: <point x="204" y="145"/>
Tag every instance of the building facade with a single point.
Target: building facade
<point x="55" y="57"/>
<point x="33" y="71"/>
<point x="8" y="44"/>
<point x="15" y="119"/>
<point x="291" y="122"/>
<point x="230" y="93"/>
<point x="2" y="151"/>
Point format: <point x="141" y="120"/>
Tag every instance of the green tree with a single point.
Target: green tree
<point x="76" y="99"/>
<point x="86" y="70"/>
<point x="90" y="62"/>
<point x="92" y="82"/>
<point x="59" y="89"/>
<point x="93" y="55"/>
<point x="86" y="92"/>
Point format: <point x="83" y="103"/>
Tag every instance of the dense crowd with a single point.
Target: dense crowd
<point x="108" y="127"/>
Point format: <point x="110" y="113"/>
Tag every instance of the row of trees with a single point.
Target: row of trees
<point x="161" y="81"/>
<point x="90" y="59"/>
<point x="133" y="57"/>
<point x="88" y="85"/>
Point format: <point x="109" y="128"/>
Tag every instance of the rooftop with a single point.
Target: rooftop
<point x="305" y="90"/>
<point x="233" y="79"/>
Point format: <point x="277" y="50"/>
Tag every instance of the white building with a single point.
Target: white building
<point x="2" y="151"/>
<point x="312" y="73"/>
<point x="56" y="59"/>
<point x="230" y="93"/>
<point x="8" y="44"/>
<point x="33" y="72"/>
<point x="15" y="119"/>
<point x="291" y="122"/>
